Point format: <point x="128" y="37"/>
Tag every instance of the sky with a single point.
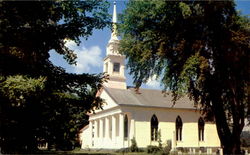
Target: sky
<point x="91" y="52"/>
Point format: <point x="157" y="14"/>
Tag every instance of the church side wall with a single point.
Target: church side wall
<point x="142" y="131"/>
<point x="211" y="136"/>
<point x="139" y="120"/>
<point x="167" y="118"/>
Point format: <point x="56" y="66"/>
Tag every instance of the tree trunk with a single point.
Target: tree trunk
<point x="232" y="147"/>
<point x="230" y="140"/>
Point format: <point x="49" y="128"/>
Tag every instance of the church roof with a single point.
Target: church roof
<point x="148" y="98"/>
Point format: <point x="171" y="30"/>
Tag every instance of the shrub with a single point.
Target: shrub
<point x="153" y="149"/>
<point x="133" y="147"/>
<point x="159" y="140"/>
<point x="160" y="149"/>
<point x="167" y="148"/>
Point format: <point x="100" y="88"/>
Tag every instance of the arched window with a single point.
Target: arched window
<point x="125" y="127"/>
<point x="178" y="127"/>
<point x="201" y="125"/>
<point x="154" y="128"/>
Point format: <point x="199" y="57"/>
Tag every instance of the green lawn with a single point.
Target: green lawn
<point x="84" y="152"/>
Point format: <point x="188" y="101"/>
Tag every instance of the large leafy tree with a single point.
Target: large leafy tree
<point x="194" y="47"/>
<point x="39" y="101"/>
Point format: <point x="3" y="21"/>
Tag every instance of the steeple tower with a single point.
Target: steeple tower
<point x="114" y="34"/>
<point x="114" y="62"/>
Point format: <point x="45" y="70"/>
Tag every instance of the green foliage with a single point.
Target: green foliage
<point x="30" y="30"/>
<point x="39" y="101"/>
<point x="159" y="139"/>
<point x="245" y="138"/>
<point x="195" y="48"/>
<point x="185" y="9"/>
<point x="160" y="149"/>
<point x="133" y="147"/>
<point x="18" y="88"/>
<point x="153" y="149"/>
<point x="168" y="147"/>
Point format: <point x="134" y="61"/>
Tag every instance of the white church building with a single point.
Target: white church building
<point x="142" y="114"/>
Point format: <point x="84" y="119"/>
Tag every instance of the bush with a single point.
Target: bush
<point x="159" y="140"/>
<point x="167" y="148"/>
<point x="153" y="149"/>
<point x="160" y="149"/>
<point x="133" y="147"/>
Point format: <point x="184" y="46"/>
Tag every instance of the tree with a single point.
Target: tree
<point x="39" y="101"/>
<point x="198" y="48"/>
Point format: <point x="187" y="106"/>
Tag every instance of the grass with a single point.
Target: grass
<point x="83" y="152"/>
<point x="86" y="152"/>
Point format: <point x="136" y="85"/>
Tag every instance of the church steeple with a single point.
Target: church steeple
<point x="114" y="62"/>
<point x="112" y="47"/>
<point x="114" y="34"/>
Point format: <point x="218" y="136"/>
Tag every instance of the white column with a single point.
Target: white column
<point x="132" y="128"/>
<point x="95" y="130"/>
<point x="121" y="128"/>
<point x="104" y="128"/>
<point x="117" y="126"/>
<point x="173" y="141"/>
<point x="110" y="128"/>
<point x="91" y="133"/>
<point x="221" y="151"/>
<point x="101" y="129"/>
<point x="107" y="127"/>
<point x="113" y="128"/>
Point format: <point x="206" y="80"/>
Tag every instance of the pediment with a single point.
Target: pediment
<point x="109" y="102"/>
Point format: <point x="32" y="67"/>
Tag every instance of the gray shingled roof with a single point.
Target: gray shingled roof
<point x="147" y="98"/>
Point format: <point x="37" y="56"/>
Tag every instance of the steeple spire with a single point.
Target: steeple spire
<point x="114" y="13"/>
<point x="114" y="34"/>
<point x="114" y="62"/>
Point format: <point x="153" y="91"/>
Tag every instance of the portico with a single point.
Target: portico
<point x="110" y="129"/>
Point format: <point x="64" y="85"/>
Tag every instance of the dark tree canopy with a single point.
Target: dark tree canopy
<point x="39" y="101"/>
<point x="195" y="47"/>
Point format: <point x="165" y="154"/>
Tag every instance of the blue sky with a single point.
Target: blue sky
<point x="92" y="51"/>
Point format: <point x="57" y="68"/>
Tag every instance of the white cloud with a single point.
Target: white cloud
<point x="86" y="57"/>
<point x="153" y="82"/>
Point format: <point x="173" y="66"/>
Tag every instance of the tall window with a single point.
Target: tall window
<point x="116" y="67"/>
<point x="126" y="127"/>
<point x="201" y="125"/>
<point x="178" y="127"/>
<point x="154" y="128"/>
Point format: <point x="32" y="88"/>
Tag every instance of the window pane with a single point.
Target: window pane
<point x="201" y="125"/>
<point x="178" y="128"/>
<point x="126" y="127"/>
<point x="116" y="67"/>
<point x="154" y="128"/>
